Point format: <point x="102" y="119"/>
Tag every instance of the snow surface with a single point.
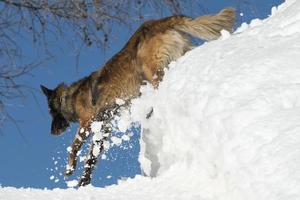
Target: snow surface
<point x="225" y="125"/>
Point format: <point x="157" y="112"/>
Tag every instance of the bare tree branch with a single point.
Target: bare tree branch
<point x="41" y="21"/>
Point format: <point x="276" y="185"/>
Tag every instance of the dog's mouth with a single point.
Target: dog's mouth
<point x="59" y="125"/>
<point x="56" y="131"/>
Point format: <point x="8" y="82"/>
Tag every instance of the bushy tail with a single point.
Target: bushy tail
<point x="208" y="27"/>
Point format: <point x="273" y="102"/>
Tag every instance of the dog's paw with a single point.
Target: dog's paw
<point x="69" y="171"/>
<point x="83" y="181"/>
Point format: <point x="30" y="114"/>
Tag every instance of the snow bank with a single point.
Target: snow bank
<point x="225" y="125"/>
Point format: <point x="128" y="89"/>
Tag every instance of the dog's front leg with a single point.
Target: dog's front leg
<point x="96" y="149"/>
<point x="82" y="134"/>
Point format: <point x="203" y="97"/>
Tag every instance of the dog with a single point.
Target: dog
<point x="142" y="60"/>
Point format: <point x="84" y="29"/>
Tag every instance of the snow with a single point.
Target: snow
<point x="72" y="183"/>
<point x="116" y="140"/>
<point x="96" y="127"/>
<point x="81" y="130"/>
<point x="225" y="122"/>
<point x="125" y="137"/>
<point x="120" y="102"/>
<point x="69" y="149"/>
<point x="124" y="121"/>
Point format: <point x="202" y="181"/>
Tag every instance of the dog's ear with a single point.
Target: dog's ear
<point x="46" y="91"/>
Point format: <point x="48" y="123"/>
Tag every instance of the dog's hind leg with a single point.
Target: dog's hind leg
<point x="82" y="134"/>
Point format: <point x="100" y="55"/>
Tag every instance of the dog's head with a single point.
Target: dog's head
<point x="59" y="123"/>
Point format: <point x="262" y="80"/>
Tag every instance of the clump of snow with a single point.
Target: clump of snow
<point x="116" y="140"/>
<point x="106" y="145"/>
<point x="72" y="183"/>
<point x="96" y="149"/>
<point x="242" y="28"/>
<point x="69" y="149"/>
<point x="125" y="137"/>
<point x="96" y="126"/>
<point x="255" y="22"/>
<point x="97" y="137"/>
<point x="81" y="130"/>
<point x="124" y="122"/>
<point x="120" y="102"/>
<point x="82" y="158"/>
<point x="103" y="157"/>
<point x="109" y="177"/>
<point x="69" y="168"/>
<point x="225" y="122"/>
<point x="224" y="34"/>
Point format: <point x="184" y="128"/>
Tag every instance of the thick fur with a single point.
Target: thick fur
<point x="143" y="59"/>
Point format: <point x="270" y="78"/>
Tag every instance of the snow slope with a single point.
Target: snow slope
<point x="225" y="126"/>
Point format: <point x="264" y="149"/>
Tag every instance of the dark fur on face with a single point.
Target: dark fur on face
<point x="59" y="123"/>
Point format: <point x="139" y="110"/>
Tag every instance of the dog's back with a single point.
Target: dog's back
<point x="151" y="48"/>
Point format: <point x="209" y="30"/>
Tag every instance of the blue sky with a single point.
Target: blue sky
<point x="31" y="162"/>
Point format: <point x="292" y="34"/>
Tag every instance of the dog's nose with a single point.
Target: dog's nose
<point x="55" y="130"/>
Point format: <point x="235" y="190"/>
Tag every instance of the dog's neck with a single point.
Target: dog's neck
<point x="67" y="106"/>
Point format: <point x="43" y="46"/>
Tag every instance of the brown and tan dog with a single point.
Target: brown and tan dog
<point x="151" y="48"/>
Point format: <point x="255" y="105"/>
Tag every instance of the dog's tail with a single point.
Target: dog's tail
<point x="208" y="27"/>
